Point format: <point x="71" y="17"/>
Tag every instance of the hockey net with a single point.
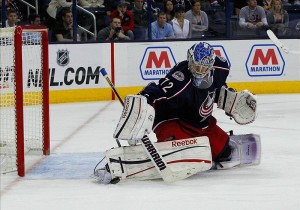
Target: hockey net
<point x="24" y="96"/>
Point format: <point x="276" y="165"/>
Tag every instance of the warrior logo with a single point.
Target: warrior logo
<point x="62" y="57"/>
<point x="207" y="106"/>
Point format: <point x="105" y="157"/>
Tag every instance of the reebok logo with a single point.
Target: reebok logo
<point x="184" y="142"/>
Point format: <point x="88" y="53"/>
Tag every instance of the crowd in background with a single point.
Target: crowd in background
<point x="166" y="19"/>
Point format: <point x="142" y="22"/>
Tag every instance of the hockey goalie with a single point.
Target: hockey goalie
<point x="170" y="128"/>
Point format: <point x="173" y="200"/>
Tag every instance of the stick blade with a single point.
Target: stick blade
<point x="276" y="41"/>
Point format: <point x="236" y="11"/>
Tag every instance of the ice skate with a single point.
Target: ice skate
<point x="103" y="175"/>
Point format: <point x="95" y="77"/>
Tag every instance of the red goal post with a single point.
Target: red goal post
<point x="24" y="94"/>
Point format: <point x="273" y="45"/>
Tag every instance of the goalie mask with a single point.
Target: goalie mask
<point x="201" y="58"/>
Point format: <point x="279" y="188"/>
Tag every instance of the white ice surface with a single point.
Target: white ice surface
<point x="81" y="131"/>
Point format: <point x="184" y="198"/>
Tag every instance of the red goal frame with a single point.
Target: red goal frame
<point x="19" y="93"/>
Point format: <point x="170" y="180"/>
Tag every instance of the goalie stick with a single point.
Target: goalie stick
<point x="276" y="41"/>
<point x="160" y="164"/>
<point x="104" y="74"/>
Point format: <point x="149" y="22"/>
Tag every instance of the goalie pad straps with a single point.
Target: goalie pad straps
<point x="136" y="120"/>
<point x="240" y="105"/>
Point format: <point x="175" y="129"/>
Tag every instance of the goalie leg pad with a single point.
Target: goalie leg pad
<point x="240" y="105"/>
<point x="131" y="162"/>
<point x="136" y="120"/>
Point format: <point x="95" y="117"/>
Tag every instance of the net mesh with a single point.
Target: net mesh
<point x="32" y="97"/>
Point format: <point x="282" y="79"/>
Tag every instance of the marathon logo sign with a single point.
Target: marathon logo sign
<point x="221" y="52"/>
<point x="265" y="60"/>
<point x="184" y="142"/>
<point x="156" y="63"/>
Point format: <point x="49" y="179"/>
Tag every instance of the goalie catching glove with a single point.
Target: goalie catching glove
<point x="241" y="106"/>
<point x="136" y="120"/>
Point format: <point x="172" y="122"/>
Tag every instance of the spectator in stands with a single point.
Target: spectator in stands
<point x="97" y="8"/>
<point x="140" y="14"/>
<point x="290" y="2"/>
<point x="12" y="18"/>
<point x="181" y="26"/>
<point x="184" y="3"/>
<point x="278" y="18"/>
<point x="198" y="19"/>
<point x="253" y="18"/>
<point x="33" y="37"/>
<point x="16" y="6"/>
<point x="267" y="4"/>
<point x="239" y="4"/>
<point x="169" y="10"/>
<point x="286" y="2"/>
<point x="112" y="32"/>
<point x="205" y="5"/>
<point x="160" y="4"/>
<point x="63" y="29"/>
<point x="34" y="19"/>
<point x="217" y="3"/>
<point x="94" y="3"/>
<point x="161" y="29"/>
<point x="140" y="20"/>
<point x="56" y="7"/>
<point x="155" y="8"/>
<point x="110" y="5"/>
<point x="126" y="17"/>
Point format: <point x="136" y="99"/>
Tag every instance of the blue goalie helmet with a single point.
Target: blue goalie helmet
<point x="201" y="58"/>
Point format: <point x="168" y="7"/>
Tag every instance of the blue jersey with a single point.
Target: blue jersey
<point x="176" y="97"/>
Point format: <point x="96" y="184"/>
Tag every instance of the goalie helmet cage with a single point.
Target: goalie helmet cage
<point x="24" y="94"/>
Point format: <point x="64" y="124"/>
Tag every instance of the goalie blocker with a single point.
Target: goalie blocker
<point x="189" y="156"/>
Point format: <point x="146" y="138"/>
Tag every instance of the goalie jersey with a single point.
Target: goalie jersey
<point x="175" y="96"/>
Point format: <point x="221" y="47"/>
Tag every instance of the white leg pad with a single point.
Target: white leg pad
<point x="131" y="162"/>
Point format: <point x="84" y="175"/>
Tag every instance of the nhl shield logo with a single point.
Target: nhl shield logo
<point x="62" y="57"/>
